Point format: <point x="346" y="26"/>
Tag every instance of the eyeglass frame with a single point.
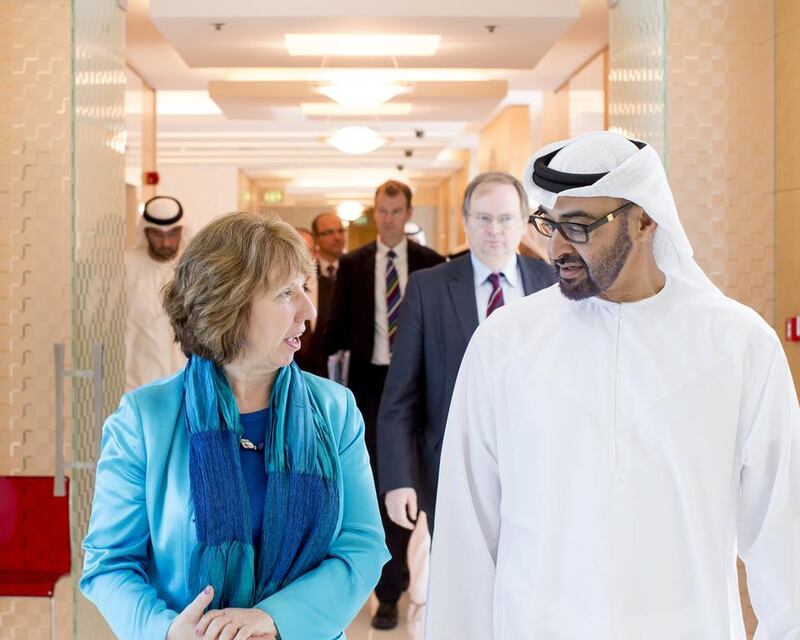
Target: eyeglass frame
<point x="586" y="228"/>
<point x="484" y="221"/>
<point x="330" y="232"/>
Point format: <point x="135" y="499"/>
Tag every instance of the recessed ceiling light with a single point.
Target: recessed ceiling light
<point x="331" y="109"/>
<point x="361" y="44"/>
<point x="356" y="140"/>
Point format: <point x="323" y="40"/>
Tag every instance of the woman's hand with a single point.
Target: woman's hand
<point x="236" y="624"/>
<point x="182" y="627"/>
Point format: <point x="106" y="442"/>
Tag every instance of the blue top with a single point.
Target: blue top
<point x="255" y="473"/>
<point x="142" y="529"/>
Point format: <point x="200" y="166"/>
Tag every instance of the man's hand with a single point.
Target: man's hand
<point x="401" y="505"/>
<point x="236" y="624"/>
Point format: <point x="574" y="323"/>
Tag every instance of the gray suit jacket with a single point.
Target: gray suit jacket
<point x="437" y="320"/>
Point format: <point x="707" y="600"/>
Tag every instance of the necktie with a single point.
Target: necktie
<point x="330" y="270"/>
<point x="496" y="297"/>
<point x="392" y="296"/>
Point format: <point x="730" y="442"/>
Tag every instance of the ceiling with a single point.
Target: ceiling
<point x="230" y="93"/>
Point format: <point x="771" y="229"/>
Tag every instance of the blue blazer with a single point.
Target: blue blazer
<point x="142" y="531"/>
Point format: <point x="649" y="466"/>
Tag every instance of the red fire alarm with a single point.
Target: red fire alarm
<point x="150" y="177"/>
<point x="793" y="329"/>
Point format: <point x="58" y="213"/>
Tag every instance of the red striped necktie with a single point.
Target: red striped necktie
<point x="496" y="297"/>
<point x="392" y="297"/>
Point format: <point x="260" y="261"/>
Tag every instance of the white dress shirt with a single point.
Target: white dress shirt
<point x="510" y="283"/>
<point x="380" y="349"/>
<point x="324" y="268"/>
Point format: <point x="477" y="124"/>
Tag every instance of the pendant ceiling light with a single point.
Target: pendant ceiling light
<point x="361" y="94"/>
<point x="350" y="210"/>
<point x="356" y="140"/>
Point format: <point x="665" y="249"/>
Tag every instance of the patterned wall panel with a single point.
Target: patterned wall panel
<point x="637" y="77"/>
<point x="99" y="235"/>
<point x="787" y="130"/>
<point x="721" y="130"/>
<point x="35" y="174"/>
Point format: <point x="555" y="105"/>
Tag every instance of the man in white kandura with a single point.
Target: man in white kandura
<point x="150" y="348"/>
<point x="615" y="441"/>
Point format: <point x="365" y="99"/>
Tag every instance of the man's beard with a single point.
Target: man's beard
<point x="598" y="277"/>
<point x="162" y="255"/>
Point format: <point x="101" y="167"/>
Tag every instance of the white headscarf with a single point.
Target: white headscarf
<point x="164" y="213"/>
<point x="632" y="173"/>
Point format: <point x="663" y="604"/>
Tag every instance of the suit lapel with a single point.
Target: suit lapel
<point x="462" y="295"/>
<point x="368" y="266"/>
<point x="531" y="282"/>
<point x="413" y="257"/>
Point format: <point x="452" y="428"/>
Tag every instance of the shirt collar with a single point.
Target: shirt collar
<point x="399" y="249"/>
<point x="481" y="271"/>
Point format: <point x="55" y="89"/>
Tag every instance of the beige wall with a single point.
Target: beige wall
<point x="449" y="225"/>
<point x="504" y="143"/>
<point x="720" y="150"/>
<point x="788" y="173"/>
<point x="555" y="115"/>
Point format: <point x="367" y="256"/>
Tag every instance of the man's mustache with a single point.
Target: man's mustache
<point x="569" y="259"/>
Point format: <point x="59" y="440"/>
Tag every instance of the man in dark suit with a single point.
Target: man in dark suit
<point x="441" y="309"/>
<point x="364" y="317"/>
<point x="312" y="357"/>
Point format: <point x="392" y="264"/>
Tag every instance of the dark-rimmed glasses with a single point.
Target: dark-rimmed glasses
<point x="572" y="231"/>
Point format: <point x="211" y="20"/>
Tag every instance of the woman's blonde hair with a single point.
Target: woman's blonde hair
<point x="225" y="265"/>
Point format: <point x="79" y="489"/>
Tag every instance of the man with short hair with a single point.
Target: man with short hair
<point x="441" y="309"/>
<point x="615" y="441"/>
<point x="370" y="284"/>
<point x="312" y="357"/>
<point x="150" y="348"/>
<point x="329" y="234"/>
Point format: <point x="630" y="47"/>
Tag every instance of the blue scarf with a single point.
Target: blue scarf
<point x="301" y="506"/>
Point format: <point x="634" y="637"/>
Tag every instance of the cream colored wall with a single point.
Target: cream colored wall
<point x="504" y="143"/>
<point x="555" y="115"/>
<point x="35" y="305"/>
<point x="788" y="172"/>
<point x="205" y="191"/>
<point x="449" y="235"/>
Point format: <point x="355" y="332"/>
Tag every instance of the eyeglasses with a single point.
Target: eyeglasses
<point x="505" y="220"/>
<point x="572" y="231"/>
<point x="329" y="232"/>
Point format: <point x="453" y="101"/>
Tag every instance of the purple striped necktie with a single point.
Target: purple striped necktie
<point x="496" y="297"/>
<point x="392" y="297"/>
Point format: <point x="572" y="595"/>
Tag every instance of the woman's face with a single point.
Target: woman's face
<point x="277" y="319"/>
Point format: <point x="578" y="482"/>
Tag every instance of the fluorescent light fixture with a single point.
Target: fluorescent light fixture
<point x="361" y="44"/>
<point x="356" y="140"/>
<point x="362" y="94"/>
<point x="185" y="103"/>
<point x="329" y="109"/>
<point x="350" y="210"/>
<point x="328" y="74"/>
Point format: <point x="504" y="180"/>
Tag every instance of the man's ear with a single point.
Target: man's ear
<point x="646" y="226"/>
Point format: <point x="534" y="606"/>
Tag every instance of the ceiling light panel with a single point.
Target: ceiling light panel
<point x="361" y="44"/>
<point x="330" y="109"/>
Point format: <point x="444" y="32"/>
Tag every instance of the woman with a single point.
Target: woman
<point x="239" y="487"/>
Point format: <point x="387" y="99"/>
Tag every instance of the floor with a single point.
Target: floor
<point x="409" y="627"/>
